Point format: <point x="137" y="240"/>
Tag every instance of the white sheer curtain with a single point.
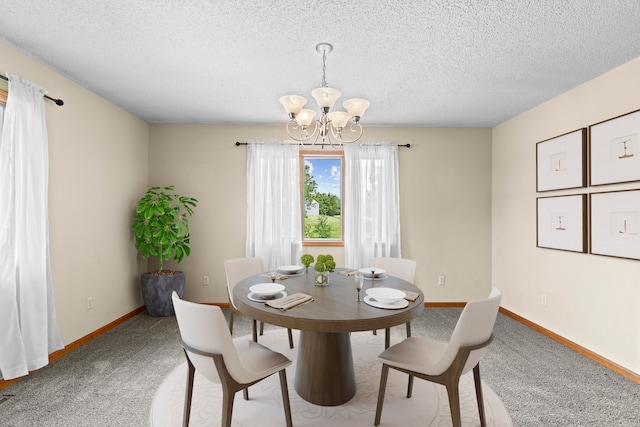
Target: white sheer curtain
<point x="274" y="230"/>
<point x="28" y="326"/>
<point x="372" y="203"/>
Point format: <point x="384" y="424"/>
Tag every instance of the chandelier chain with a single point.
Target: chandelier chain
<point x="324" y="69"/>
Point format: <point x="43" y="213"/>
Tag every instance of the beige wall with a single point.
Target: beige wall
<point x="591" y="300"/>
<point x="445" y="185"/>
<point x="97" y="170"/>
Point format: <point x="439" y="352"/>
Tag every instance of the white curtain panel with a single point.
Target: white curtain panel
<point x="28" y="326"/>
<point x="372" y="203"/>
<point x="274" y="228"/>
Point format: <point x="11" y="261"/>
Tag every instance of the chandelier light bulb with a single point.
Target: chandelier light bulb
<point x="325" y="96"/>
<point x="305" y="117"/>
<point x="339" y="119"/>
<point x="293" y="103"/>
<point x="356" y="106"/>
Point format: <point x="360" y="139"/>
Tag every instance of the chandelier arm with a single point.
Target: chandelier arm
<point x="337" y="135"/>
<point x="354" y="127"/>
<point x="316" y="133"/>
<point x="293" y="125"/>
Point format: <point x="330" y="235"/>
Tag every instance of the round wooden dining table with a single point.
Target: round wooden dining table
<point x="324" y="366"/>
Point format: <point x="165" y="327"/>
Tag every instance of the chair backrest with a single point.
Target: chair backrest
<point x="204" y="328"/>
<point x="240" y="268"/>
<point x="474" y="326"/>
<point x="404" y="268"/>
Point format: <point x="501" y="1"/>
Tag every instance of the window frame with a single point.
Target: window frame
<point x="320" y="154"/>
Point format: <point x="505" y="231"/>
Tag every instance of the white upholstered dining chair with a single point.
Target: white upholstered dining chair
<point x="237" y="269"/>
<point x="234" y="364"/>
<point x="444" y="363"/>
<point x="402" y="268"/>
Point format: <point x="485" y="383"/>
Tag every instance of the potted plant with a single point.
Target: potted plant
<point x="162" y="229"/>
<point x="323" y="266"/>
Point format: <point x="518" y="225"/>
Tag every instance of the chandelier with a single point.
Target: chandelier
<point x="334" y="128"/>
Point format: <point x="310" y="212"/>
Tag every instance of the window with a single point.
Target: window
<point x="322" y="195"/>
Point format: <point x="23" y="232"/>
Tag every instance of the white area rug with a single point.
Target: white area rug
<point x="427" y="407"/>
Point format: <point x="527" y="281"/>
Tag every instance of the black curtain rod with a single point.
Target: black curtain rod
<point x="57" y="101"/>
<point x="238" y="143"/>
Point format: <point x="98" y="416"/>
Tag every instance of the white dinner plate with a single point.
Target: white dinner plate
<point x="267" y="289"/>
<point x="386" y="295"/>
<point x="377" y="271"/>
<point x="290" y="269"/>
<point x="258" y="298"/>
<point x="402" y="303"/>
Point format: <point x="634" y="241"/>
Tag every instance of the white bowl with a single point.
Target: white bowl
<point x="267" y="289"/>
<point x="385" y="295"/>
<point x="290" y="268"/>
<point x="377" y="271"/>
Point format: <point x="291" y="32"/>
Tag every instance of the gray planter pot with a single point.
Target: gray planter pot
<point x="157" y="290"/>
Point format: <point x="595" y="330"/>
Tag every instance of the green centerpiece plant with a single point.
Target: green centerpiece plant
<point x="323" y="266"/>
<point x="161" y="228"/>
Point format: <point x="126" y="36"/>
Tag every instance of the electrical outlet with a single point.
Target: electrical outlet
<point x="205" y="280"/>
<point x="544" y="299"/>
<point x="441" y="280"/>
<point x="89" y="303"/>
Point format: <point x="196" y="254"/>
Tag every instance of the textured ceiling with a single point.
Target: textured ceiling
<point x="473" y="63"/>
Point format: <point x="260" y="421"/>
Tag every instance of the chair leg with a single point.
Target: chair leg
<point x="254" y="330"/>
<point x="227" y="407"/>
<point x="188" y="393"/>
<point x="410" y="387"/>
<point x="476" y="379"/>
<point x="261" y="328"/>
<point x="410" y="383"/>
<point x="231" y="320"/>
<point x="290" y="338"/>
<point x="454" y="403"/>
<point x="285" y="397"/>
<point x="387" y="338"/>
<point x="375" y="332"/>
<point x="383" y="387"/>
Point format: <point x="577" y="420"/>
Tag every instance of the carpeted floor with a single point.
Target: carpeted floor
<point x="112" y="380"/>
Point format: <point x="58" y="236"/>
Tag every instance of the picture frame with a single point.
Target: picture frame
<point x="562" y="223"/>
<point x="561" y="162"/>
<point x="615" y="222"/>
<point x="615" y="150"/>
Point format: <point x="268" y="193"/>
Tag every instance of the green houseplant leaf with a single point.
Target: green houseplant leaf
<point x="161" y="224"/>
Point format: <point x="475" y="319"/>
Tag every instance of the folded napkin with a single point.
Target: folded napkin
<point x="290" y="301"/>
<point x="411" y="296"/>
<point x="275" y="276"/>
<point x="408" y="295"/>
<point x="349" y="272"/>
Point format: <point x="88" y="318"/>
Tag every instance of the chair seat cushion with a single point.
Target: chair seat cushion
<point x="259" y="360"/>
<point x="418" y="354"/>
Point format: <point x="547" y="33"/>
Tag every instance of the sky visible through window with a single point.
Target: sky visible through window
<point x="326" y="173"/>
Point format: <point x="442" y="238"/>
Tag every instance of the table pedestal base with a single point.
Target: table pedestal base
<point x="324" y="368"/>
